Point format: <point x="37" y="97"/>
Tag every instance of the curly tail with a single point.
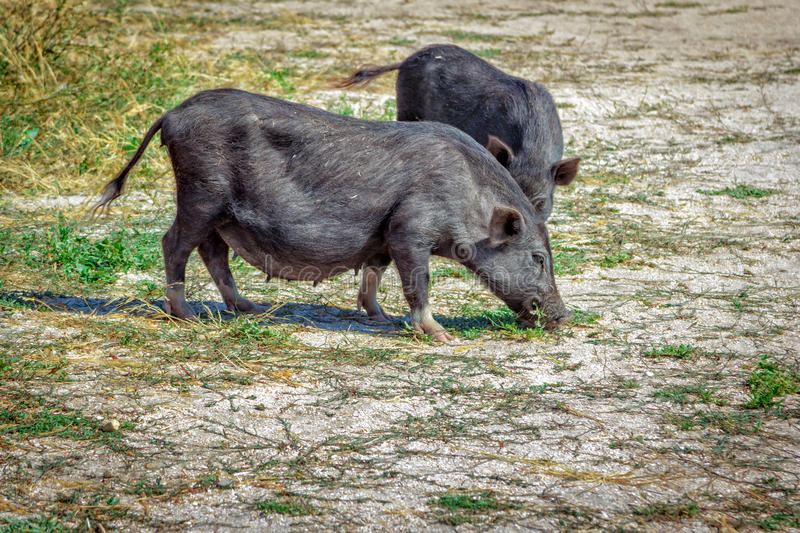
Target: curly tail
<point x="365" y="75"/>
<point x="113" y="188"/>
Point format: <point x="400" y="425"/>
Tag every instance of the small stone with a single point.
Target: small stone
<point x="225" y="482"/>
<point x="112" y="424"/>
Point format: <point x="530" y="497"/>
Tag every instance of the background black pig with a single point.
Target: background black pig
<point x="515" y="119"/>
<point x="304" y="194"/>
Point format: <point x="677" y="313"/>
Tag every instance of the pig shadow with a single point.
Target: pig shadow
<point x="325" y="317"/>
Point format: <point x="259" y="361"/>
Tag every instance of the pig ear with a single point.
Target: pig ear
<point x="506" y="222"/>
<point x="564" y="171"/>
<point x="500" y="150"/>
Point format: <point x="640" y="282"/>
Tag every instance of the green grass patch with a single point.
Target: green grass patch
<point x="101" y="259"/>
<point x="65" y="251"/>
<point x="736" y="10"/>
<point x="448" y="271"/>
<point x="39" y="524"/>
<point x="282" y="78"/>
<point x="681" y="351"/>
<point x="687" y="394"/>
<point x="147" y="488"/>
<point x="740" y="192"/>
<point x="793" y="70"/>
<point x="291" y="505"/>
<point x="16" y="368"/>
<point x="668" y="511"/>
<point x="488" y="52"/>
<point x="734" y="423"/>
<point x="459" y="35"/>
<point x="779" y="521"/>
<point x="679" y="5"/>
<point x="469" y="507"/>
<point x="567" y="260"/>
<point x="32" y="416"/>
<point x="769" y="381"/>
<point x="309" y="54"/>
<point x="476" y="502"/>
<point x="615" y="259"/>
<point x="584" y="318"/>
<point x="737" y="138"/>
<point x="476" y="320"/>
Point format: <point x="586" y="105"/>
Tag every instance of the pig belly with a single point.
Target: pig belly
<point x="248" y="248"/>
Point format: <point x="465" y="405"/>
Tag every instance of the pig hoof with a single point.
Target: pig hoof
<point x="443" y="336"/>
<point x="181" y="312"/>
<point x="380" y="316"/>
<point x="374" y="311"/>
<point x="252" y="309"/>
<point x="440" y="335"/>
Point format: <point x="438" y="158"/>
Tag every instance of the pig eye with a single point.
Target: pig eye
<point x="538" y="260"/>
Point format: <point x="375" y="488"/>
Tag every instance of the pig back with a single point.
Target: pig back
<point x="321" y="186"/>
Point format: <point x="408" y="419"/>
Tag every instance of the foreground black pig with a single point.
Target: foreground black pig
<point x="304" y="194"/>
<point x="515" y="119"/>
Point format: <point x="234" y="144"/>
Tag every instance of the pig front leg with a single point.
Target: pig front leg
<point x="414" y="275"/>
<point x="214" y="252"/>
<point x="368" y="292"/>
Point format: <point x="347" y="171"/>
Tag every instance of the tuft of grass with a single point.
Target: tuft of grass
<point x="612" y="260"/>
<point x="476" y="321"/>
<point x="567" y="260"/>
<point x="459" y="35"/>
<point x="668" y="511"/>
<point x="736" y="10"/>
<point x="145" y="487"/>
<point x="39" y="524"/>
<point x="282" y="77"/>
<point x="488" y="52"/>
<point x="769" y="381"/>
<point x="342" y="107"/>
<point x="778" y="521"/>
<point x="737" y="138"/>
<point x="733" y="423"/>
<point x="309" y="54"/>
<point x="584" y="318"/>
<point x="288" y="504"/>
<point x="33" y="417"/>
<point x="679" y="5"/>
<point x="100" y="260"/>
<point x="468" y="507"/>
<point x="682" y="351"/>
<point x="740" y="191"/>
<point x="448" y="271"/>
<point x="686" y="394"/>
<point x="475" y="502"/>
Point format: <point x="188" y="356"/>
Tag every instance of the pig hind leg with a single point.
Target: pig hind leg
<point x="177" y="244"/>
<point x="368" y="292"/>
<point x="214" y="252"/>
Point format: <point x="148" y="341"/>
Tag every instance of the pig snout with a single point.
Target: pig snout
<point x="560" y="320"/>
<point x="552" y="313"/>
<point x="555" y="312"/>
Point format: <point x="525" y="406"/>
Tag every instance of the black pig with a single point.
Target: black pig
<point x="304" y="194"/>
<point x="515" y="119"/>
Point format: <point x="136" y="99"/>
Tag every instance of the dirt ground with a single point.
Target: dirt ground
<point x="668" y="404"/>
